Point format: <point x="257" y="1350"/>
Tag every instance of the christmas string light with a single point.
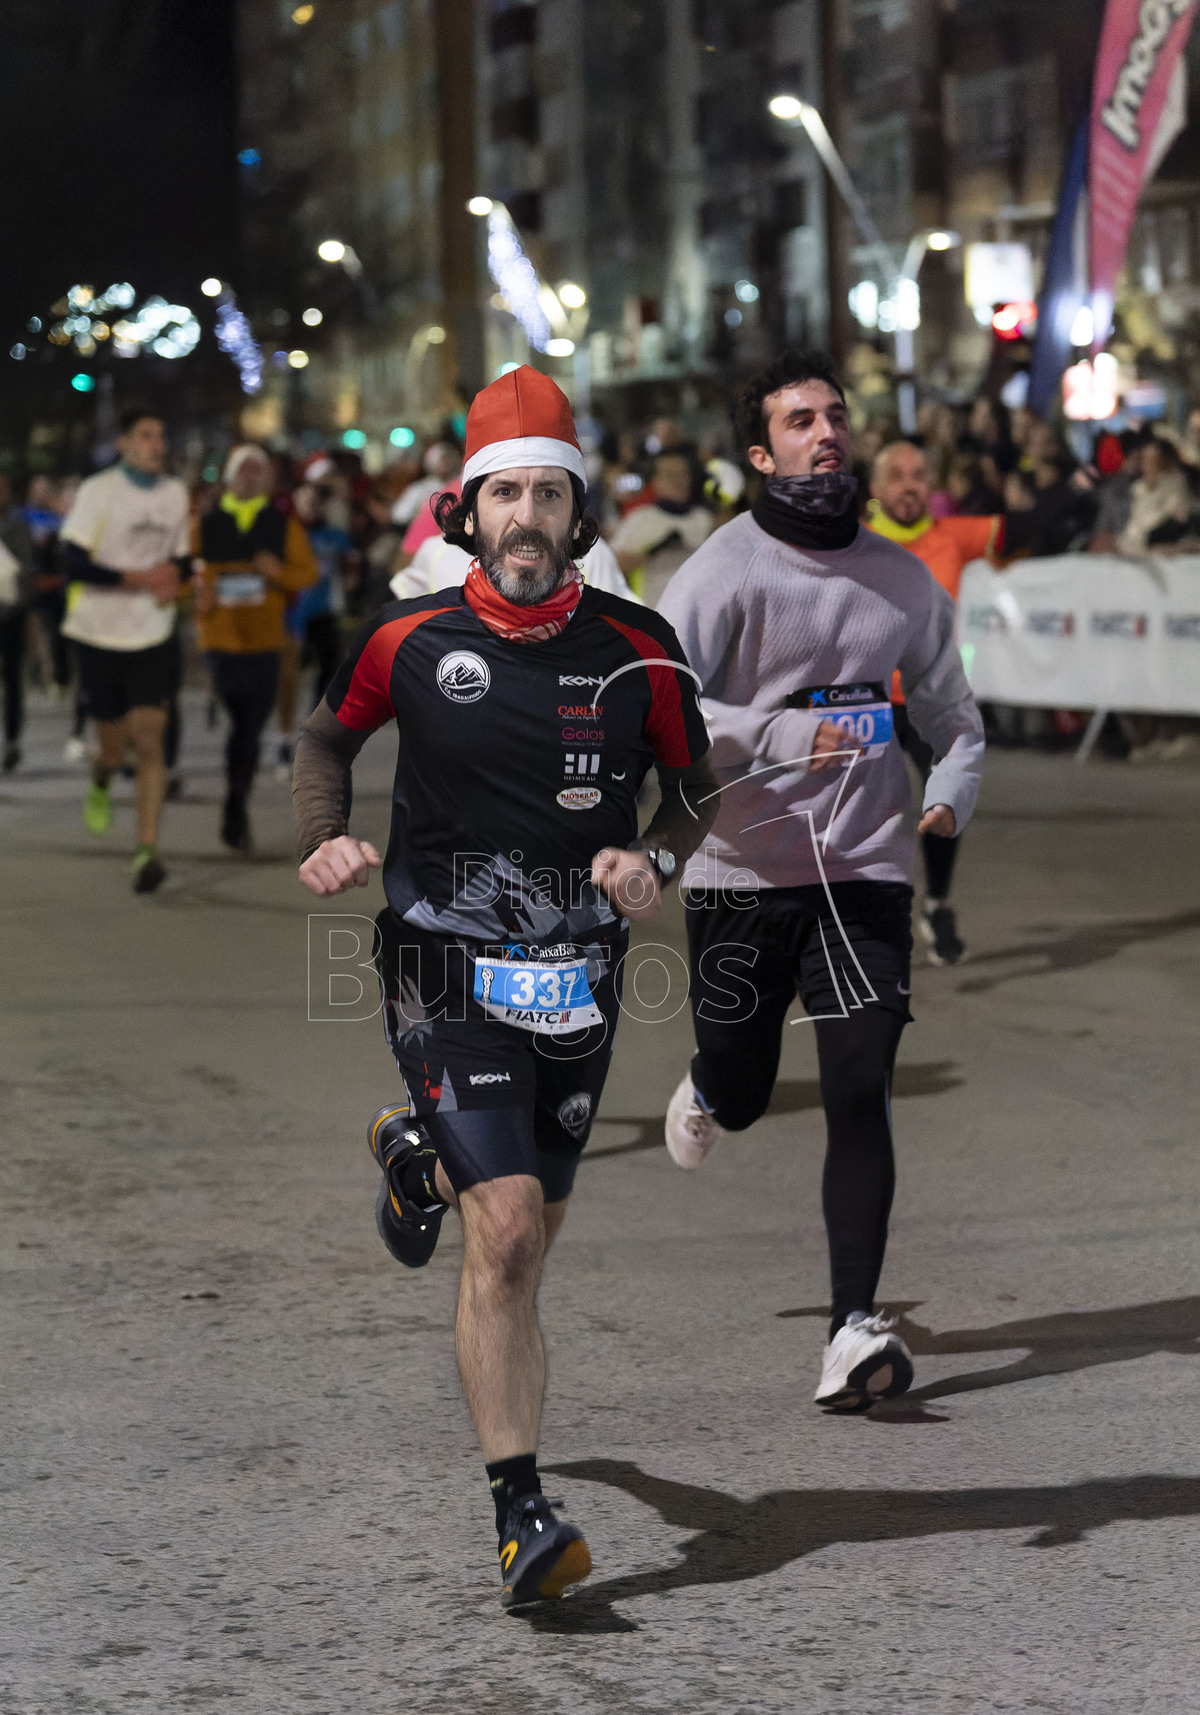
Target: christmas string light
<point x="168" y="330"/>
<point x="516" y="277"/>
<point x="235" y="338"/>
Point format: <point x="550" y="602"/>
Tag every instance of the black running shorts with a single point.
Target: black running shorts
<point x="114" y="681"/>
<point x="752" y="954"/>
<point x="495" y="1100"/>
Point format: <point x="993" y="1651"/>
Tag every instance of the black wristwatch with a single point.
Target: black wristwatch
<point x="663" y="859"/>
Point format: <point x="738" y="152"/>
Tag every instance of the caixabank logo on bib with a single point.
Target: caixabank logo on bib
<point x="579" y="797"/>
<point x="463" y="676"/>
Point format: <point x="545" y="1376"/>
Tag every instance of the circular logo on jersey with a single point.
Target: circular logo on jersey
<point x="579" y="797"/>
<point x="574" y="1113"/>
<point x="463" y="676"/>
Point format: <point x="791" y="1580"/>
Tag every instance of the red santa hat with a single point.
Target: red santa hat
<point x="522" y="419"/>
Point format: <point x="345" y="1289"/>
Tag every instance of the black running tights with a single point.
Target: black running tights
<point x="246" y="684"/>
<point x="13" y="623"/>
<point x="855" y="1057"/>
<point x="938" y="851"/>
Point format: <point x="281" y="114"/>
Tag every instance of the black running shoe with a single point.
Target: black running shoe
<point x="148" y="873"/>
<point x="540" y="1554"/>
<point x="941" y="932"/>
<point x="409" y="1232"/>
<point x="235" y="824"/>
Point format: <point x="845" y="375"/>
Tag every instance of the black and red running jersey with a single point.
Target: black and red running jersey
<point x="517" y="761"/>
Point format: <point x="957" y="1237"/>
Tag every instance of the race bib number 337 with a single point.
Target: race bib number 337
<point x="537" y="995"/>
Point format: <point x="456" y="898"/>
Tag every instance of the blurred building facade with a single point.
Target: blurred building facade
<point x="632" y="147"/>
<point x="630" y="144"/>
<point x="341" y="140"/>
<point x="959" y="116"/>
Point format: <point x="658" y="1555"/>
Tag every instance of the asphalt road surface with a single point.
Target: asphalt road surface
<point x="236" y="1470"/>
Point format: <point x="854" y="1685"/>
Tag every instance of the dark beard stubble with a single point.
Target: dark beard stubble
<point x="524" y="589"/>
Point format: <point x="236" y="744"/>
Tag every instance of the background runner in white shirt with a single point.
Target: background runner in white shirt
<point x="124" y="547"/>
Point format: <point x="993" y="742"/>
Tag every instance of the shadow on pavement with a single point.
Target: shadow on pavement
<point x="737" y="1539"/>
<point x="1054" y="1345"/>
<point x="791" y="1096"/>
<point x="1076" y="948"/>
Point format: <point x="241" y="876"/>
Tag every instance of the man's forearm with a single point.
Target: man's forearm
<point x="321" y="778"/>
<point x="80" y="568"/>
<point x="687" y="811"/>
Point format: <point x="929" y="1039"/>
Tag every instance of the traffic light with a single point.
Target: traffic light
<point x="1014" y="321"/>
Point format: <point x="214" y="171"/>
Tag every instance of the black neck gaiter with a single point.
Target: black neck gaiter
<point x="810" y="511"/>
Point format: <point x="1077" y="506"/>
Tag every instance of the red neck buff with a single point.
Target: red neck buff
<point x="523" y="624"/>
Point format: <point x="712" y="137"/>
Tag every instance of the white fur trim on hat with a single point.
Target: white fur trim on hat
<point x="522" y="454"/>
<point x="238" y="457"/>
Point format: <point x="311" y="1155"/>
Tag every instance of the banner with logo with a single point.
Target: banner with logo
<point x="1064" y="282"/>
<point x="1085" y="631"/>
<point x="1140" y="45"/>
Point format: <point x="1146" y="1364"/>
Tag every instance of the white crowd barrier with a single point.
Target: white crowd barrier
<point x="1085" y="631"/>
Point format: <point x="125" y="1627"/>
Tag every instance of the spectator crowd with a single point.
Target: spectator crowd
<point x="658" y="492"/>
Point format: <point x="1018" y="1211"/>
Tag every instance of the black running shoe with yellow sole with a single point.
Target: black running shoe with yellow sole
<point x="409" y="1231"/>
<point x="540" y="1554"/>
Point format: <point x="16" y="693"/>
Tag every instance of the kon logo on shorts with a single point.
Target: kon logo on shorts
<point x="463" y="676"/>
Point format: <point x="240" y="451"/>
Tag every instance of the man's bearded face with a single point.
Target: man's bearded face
<point x="524" y="525"/>
<point x="545" y="562"/>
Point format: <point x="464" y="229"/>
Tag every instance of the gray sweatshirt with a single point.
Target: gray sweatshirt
<point x="760" y="621"/>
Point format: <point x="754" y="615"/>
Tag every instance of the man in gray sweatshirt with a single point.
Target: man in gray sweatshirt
<point x="795" y="619"/>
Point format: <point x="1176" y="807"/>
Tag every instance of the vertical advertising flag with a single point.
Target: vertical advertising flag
<point x="1140" y="45"/>
<point x="1064" y="283"/>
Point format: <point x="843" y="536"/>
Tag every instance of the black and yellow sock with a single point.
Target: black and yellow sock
<point x="510" y="1479"/>
<point x="418" y="1180"/>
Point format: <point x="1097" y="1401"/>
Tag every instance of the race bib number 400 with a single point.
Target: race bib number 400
<point x="554" y="997"/>
<point x="862" y="712"/>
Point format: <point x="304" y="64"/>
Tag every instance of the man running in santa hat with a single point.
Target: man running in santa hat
<point x="529" y="709"/>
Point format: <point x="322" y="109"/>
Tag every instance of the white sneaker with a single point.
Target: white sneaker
<point x="1184" y="747"/>
<point x="691" y="1133"/>
<point x="75" y="750"/>
<point x="864" y="1362"/>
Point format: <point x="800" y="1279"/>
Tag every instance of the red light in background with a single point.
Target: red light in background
<point x="1014" y="321"/>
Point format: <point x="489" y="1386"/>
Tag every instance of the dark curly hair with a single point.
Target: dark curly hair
<point x="452" y="514"/>
<point x="789" y="369"/>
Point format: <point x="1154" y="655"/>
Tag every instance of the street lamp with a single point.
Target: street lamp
<point x="793" y="111"/>
<point x="211" y="287"/>
<point x="907" y="299"/>
<point x="903" y="303"/>
<point x="574" y="297"/>
<point x="341" y="255"/>
<point x="480" y="206"/>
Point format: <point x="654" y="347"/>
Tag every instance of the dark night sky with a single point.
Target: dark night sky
<point x="117" y="143"/>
